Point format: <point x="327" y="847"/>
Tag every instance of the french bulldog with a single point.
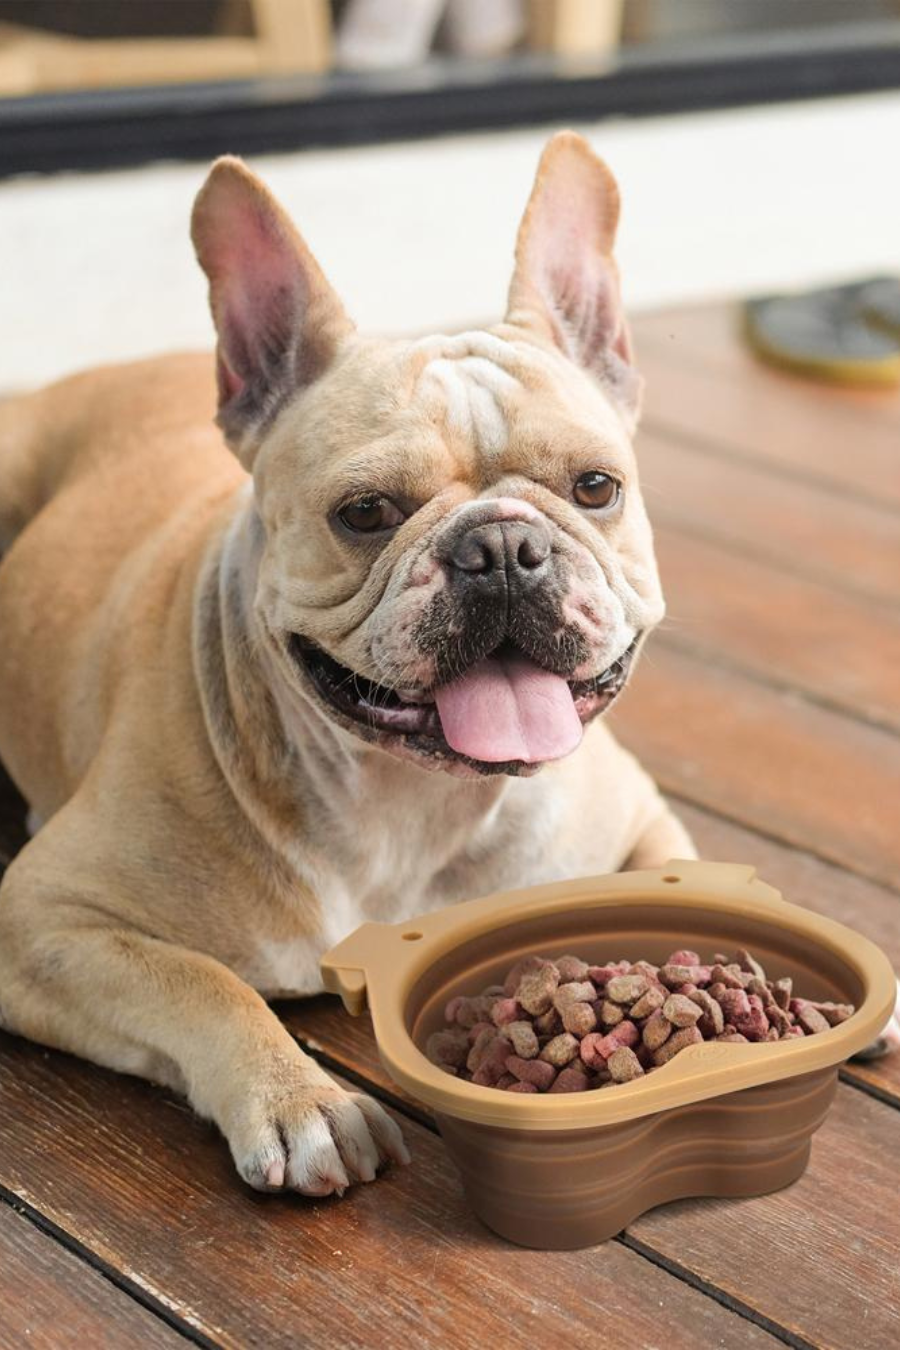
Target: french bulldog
<point x="353" y="670"/>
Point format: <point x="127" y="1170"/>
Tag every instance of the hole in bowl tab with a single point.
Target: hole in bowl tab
<point x="671" y="878"/>
<point x="412" y="936"/>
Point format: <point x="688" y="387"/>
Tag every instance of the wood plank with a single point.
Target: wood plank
<point x="52" y="1300"/>
<point x="766" y="757"/>
<point x="709" y="336"/>
<point x="805" y="528"/>
<point x="781" y="628"/>
<point x="768" y="420"/>
<point x="151" y="1190"/>
<point x="820" y="1256"/>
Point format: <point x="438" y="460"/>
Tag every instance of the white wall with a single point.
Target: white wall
<point x="97" y="267"/>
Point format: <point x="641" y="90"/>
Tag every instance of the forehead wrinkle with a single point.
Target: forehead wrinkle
<point x="474" y="391"/>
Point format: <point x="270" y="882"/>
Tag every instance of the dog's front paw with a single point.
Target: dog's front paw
<point x="889" y="1040"/>
<point x="299" y="1131"/>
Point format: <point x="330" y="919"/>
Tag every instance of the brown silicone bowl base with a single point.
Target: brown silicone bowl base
<point x="561" y="1191"/>
<point x="570" y="1169"/>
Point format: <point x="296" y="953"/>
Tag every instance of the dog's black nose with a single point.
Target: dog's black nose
<point x="518" y="548"/>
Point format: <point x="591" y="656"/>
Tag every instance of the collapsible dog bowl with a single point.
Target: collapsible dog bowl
<point x="568" y="1170"/>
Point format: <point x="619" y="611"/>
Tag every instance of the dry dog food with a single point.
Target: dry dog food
<point x="567" y="1026"/>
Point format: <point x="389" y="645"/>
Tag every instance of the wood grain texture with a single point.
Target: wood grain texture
<point x="766" y="757"/>
<point x="805" y="529"/>
<point x="708" y="337"/>
<point x="151" y="1190"/>
<point x="781" y="628"/>
<point x="52" y="1300"/>
<point x="770" y="419"/>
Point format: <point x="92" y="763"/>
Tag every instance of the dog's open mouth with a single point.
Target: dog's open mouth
<point x="502" y="715"/>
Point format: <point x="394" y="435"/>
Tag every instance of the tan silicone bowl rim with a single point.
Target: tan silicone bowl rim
<point x="381" y="964"/>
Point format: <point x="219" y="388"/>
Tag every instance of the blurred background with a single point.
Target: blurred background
<point x="755" y="142"/>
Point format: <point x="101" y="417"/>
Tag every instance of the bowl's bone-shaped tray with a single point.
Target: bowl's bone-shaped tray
<point x="405" y="971"/>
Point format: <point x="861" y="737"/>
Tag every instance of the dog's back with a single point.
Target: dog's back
<point x="91" y="470"/>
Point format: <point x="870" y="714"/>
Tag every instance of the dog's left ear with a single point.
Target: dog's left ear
<point x="279" y="323"/>
<point x="566" y="284"/>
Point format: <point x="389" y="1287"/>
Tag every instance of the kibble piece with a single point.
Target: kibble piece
<point x="731" y="1036"/>
<point x="680" y="1010"/>
<point x="448" y="1049"/>
<point x="561" y="1050"/>
<point x="809" y="1018"/>
<point x="781" y="992"/>
<point x="627" y="988"/>
<point x="673" y="977"/>
<point x="479" y="1049"/>
<point x="536" y="1071"/>
<point x="492" y="1064"/>
<point x="549" y="1023"/>
<point x="516" y="1086"/>
<point x="712" y="1020"/>
<point x="596" y="1049"/>
<point x="522" y="1037"/>
<point x="730" y="975"/>
<point x="683" y="958"/>
<point x="474" y="1032"/>
<point x="657" y="1029"/>
<point x="755" y="1024"/>
<point x="527" y="965"/>
<point x="648" y="1003"/>
<point x="624" y="1065"/>
<point x="570" y="1079"/>
<point x="579" y="1019"/>
<point x="505" y="1010"/>
<point x="778" y="1019"/>
<point x="537" y="987"/>
<point x="678" y="1041"/>
<point x="648" y="969"/>
<point x="747" y="962"/>
<point x="735" y="1004"/>
<point x="571" y="969"/>
<point x="835" y="1013"/>
<point x="611" y="1014"/>
<point x="581" y="991"/>
<point x="506" y="1080"/>
<point x="601" y="975"/>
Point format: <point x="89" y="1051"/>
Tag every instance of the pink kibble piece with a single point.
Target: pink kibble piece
<point x="505" y="1010"/>
<point x="570" y="1080"/>
<point x="683" y="958"/>
<point x="536" y="1071"/>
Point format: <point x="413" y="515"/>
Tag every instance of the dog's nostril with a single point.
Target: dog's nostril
<point x="478" y="551"/>
<point x="533" y="549"/>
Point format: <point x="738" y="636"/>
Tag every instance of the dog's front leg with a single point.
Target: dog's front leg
<point x="149" y="1007"/>
<point x="663" y="838"/>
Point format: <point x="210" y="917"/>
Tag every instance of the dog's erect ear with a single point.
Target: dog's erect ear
<point x="566" y="283"/>
<point x="278" y="321"/>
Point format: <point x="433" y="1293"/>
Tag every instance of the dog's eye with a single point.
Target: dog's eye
<point x="370" y="513"/>
<point x="595" y="489"/>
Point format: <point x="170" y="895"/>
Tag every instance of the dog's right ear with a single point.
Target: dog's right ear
<point x="279" y="323"/>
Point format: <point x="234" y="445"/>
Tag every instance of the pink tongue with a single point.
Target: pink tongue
<point x="509" y="708"/>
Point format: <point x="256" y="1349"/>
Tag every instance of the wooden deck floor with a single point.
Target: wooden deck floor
<point x="769" y="709"/>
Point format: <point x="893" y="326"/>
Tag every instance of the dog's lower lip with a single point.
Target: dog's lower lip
<point x="411" y="716"/>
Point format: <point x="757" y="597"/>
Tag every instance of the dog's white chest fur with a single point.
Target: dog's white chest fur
<point x="412" y="861"/>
